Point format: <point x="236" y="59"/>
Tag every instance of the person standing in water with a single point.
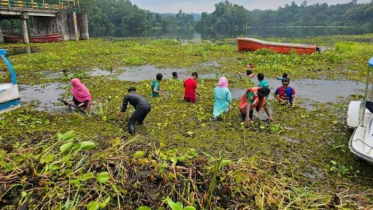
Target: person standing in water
<point x="222" y="98"/>
<point x="81" y="94"/>
<point x="142" y="109"/>
<point x="156" y="86"/>
<point x="285" y="93"/>
<point x="284" y="75"/>
<point x="190" y="85"/>
<point x="174" y="75"/>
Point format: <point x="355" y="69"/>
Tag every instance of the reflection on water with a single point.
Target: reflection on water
<point x="276" y="32"/>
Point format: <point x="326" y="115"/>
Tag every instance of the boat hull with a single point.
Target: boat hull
<point x="248" y="44"/>
<point x="361" y="141"/>
<point x="9" y="97"/>
<point x="355" y="149"/>
<point x="33" y="39"/>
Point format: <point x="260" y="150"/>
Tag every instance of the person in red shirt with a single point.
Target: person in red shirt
<point x="190" y="86"/>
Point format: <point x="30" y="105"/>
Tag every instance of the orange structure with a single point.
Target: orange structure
<point x="250" y="44"/>
<point x="33" y="39"/>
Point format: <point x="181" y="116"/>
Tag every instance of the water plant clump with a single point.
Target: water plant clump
<point x="180" y="158"/>
<point x="180" y="153"/>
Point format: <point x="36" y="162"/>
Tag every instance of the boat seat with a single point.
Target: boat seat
<point x="369" y="106"/>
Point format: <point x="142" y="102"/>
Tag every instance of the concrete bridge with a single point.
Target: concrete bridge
<point x="41" y="18"/>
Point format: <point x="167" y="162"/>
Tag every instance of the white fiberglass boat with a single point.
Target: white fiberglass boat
<point x="9" y="95"/>
<point x="360" y="116"/>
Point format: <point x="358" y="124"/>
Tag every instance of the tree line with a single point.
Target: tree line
<point x="128" y="19"/>
<point x="123" y="18"/>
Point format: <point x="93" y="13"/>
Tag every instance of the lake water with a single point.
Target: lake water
<point x="287" y="32"/>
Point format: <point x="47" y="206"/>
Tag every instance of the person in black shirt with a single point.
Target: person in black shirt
<point x="142" y="109"/>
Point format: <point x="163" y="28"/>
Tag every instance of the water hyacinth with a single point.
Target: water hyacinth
<point x="181" y="158"/>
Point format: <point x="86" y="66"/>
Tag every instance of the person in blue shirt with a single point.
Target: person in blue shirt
<point x="285" y="93"/>
<point x="222" y="98"/>
<point x="284" y="75"/>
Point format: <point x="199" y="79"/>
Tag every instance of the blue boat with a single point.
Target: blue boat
<point x="10" y="98"/>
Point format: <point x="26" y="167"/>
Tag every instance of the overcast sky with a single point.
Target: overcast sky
<point x="198" y="6"/>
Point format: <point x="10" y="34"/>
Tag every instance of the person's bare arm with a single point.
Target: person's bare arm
<point x="122" y="114"/>
<point x="247" y="119"/>
<point x="279" y="99"/>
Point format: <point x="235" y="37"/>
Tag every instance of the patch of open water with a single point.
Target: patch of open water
<point x="322" y="91"/>
<point x="47" y="95"/>
<point x="137" y="74"/>
<point x="308" y="90"/>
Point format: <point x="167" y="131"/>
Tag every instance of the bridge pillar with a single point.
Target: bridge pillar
<point x="24" y="28"/>
<point x="83" y="19"/>
<point x="63" y="26"/>
<point x="1" y="36"/>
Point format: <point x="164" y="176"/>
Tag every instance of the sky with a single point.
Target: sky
<point x="199" y="6"/>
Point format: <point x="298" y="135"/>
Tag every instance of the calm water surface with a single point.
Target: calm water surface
<point x="279" y="32"/>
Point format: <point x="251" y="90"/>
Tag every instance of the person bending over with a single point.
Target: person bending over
<point x="81" y="94"/>
<point x="254" y="98"/>
<point x="142" y="109"/>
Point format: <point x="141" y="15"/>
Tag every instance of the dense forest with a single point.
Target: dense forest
<point x="228" y="16"/>
<point x="126" y="18"/>
<point x="350" y="14"/>
<point x="123" y="18"/>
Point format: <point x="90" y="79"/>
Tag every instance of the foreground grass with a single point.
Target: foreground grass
<point x="300" y="161"/>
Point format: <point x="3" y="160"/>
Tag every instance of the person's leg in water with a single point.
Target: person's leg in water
<point x="131" y="122"/>
<point x="243" y="116"/>
<point x="143" y="115"/>
<point x="251" y="114"/>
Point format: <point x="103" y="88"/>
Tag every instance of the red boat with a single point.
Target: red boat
<point x="256" y="44"/>
<point x="33" y="39"/>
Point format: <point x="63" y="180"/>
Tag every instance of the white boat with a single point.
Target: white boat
<point x="9" y="95"/>
<point x="360" y="117"/>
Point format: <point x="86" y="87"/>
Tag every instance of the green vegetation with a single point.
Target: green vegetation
<point x="350" y="14"/>
<point x="180" y="158"/>
<point x="226" y="17"/>
<point x="346" y="61"/>
<point x="232" y="17"/>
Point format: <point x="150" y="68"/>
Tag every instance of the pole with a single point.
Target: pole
<point x="25" y="32"/>
<point x="365" y="98"/>
<point x="76" y="27"/>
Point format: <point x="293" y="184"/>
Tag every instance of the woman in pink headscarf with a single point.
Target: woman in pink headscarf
<point x="222" y="98"/>
<point x="81" y="94"/>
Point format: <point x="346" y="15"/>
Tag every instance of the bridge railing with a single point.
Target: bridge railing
<point x="62" y="6"/>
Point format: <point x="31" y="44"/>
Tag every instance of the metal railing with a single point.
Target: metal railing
<point x="63" y="5"/>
